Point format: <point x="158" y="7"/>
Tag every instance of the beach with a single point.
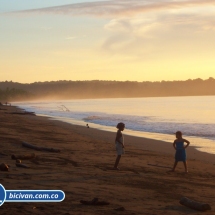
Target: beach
<point x="83" y="170"/>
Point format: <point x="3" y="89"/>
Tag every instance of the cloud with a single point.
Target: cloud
<point x="139" y="27"/>
<point x="156" y="33"/>
<point x="119" y="8"/>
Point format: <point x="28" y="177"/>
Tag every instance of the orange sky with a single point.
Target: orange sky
<point x="108" y="40"/>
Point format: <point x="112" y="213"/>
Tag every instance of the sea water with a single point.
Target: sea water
<point x="156" y="118"/>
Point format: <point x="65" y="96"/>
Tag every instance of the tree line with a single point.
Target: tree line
<point x="13" y="91"/>
<point x="12" y="94"/>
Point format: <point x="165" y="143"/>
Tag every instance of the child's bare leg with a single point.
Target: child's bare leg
<point x="117" y="161"/>
<point x="185" y="166"/>
<point x="175" y="164"/>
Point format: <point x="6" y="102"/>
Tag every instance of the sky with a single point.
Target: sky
<point x="144" y="40"/>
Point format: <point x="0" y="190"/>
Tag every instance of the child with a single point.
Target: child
<point x="180" y="154"/>
<point x="119" y="143"/>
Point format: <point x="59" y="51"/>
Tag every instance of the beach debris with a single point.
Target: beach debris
<point x="2" y="154"/>
<point x="63" y="108"/>
<point x="18" y="161"/>
<point x="4" y="167"/>
<point x="120" y="209"/>
<point x="23" y="157"/>
<point x="94" y="202"/>
<point x="24" y="113"/>
<point x="21" y="165"/>
<point x="60" y="108"/>
<point x="87" y="126"/>
<point x="194" y="205"/>
<point x="28" y="145"/>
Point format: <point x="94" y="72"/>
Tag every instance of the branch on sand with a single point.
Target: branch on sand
<point x="22" y="165"/>
<point x="23" y="113"/>
<point x="194" y="205"/>
<point x="23" y="157"/>
<point x="27" y="145"/>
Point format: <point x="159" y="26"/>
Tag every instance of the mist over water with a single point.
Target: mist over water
<point x="157" y="118"/>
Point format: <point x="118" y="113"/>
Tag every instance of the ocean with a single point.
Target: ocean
<point x="156" y="118"/>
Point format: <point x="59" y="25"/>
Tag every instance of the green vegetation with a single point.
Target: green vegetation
<point x="12" y="91"/>
<point x="7" y="95"/>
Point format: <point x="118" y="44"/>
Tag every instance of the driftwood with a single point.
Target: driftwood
<point x="194" y="205"/>
<point x="22" y="165"/>
<point x="62" y="108"/>
<point x="94" y="202"/>
<point x="23" y="157"/>
<point x="27" y="145"/>
<point x="2" y="154"/>
<point x="4" y="167"/>
<point x="24" y="113"/>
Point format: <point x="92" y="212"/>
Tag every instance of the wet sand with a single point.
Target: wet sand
<point x="83" y="170"/>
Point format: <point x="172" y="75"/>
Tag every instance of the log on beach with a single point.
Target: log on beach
<point x="22" y="165"/>
<point x="23" y="157"/>
<point x="23" y="113"/>
<point x="194" y="205"/>
<point x="27" y="145"/>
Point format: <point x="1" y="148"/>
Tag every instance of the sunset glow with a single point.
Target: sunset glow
<point x="107" y="40"/>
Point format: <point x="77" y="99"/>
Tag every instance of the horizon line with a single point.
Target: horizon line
<point x="97" y="80"/>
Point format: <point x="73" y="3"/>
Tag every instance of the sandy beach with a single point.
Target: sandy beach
<point x="83" y="170"/>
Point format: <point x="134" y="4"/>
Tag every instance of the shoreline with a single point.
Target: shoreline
<point x="84" y="170"/>
<point x="201" y="143"/>
<point x="139" y="141"/>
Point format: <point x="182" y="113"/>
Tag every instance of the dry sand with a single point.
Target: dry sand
<point x="83" y="170"/>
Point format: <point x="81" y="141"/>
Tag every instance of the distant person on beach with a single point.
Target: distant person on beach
<point x="180" y="154"/>
<point x="87" y="126"/>
<point x="119" y="144"/>
<point x="7" y="103"/>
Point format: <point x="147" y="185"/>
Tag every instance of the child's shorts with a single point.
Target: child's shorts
<point x="119" y="149"/>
